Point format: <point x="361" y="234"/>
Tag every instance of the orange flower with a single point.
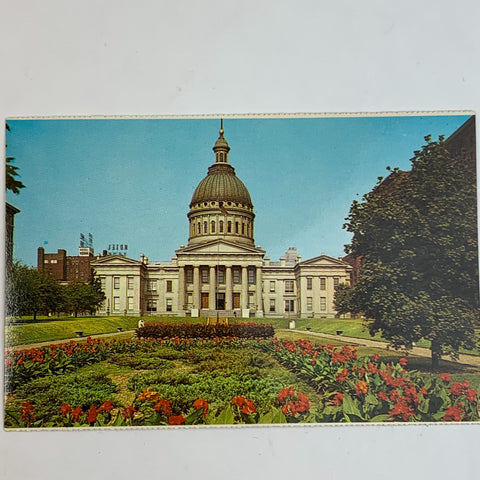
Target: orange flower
<point x="26" y="412"/>
<point x="342" y="376"/>
<point x="176" y="420"/>
<point x="338" y="399"/>
<point x="65" y="409"/>
<point x="471" y="395"/>
<point x="361" y="387"/>
<point x="199" y="404"/>
<point x="128" y="412"/>
<point x="92" y="414"/>
<point x="403" y="362"/>
<point x="163" y="405"/>
<point x="76" y="413"/>
<point x="249" y="407"/>
<point x="240" y="401"/>
<point x="106" y="406"/>
<point x="445" y="377"/>
<point x="453" y="414"/>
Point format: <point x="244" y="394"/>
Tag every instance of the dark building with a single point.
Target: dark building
<point x="10" y="212"/>
<point x="65" y="268"/>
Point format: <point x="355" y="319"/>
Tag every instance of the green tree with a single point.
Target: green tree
<point x="342" y="299"/>
<point x="30" y="292"/>
<point x="416" y="234"/>
<point x="11" y="172"/>
<point x="82" y="297"/>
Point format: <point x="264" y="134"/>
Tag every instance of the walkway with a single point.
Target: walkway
<point x="472" y="360"/>
<point x="66" y="340"/>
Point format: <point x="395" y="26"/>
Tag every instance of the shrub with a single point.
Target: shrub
<point x="191" y="330"/>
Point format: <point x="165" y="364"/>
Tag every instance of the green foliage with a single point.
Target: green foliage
<point x="31" y="292"/>
<point x="416" y="235"/>
<point x="48" y="394"/>
<point x="82" y="297"/>
<point x="11" y="172"/>
<point x="190" y="330"/>
<point x="343" y="299"/>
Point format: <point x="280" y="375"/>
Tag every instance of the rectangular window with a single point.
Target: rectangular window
<point x="289" y="306"/>
<point x="189" y="275"/>
<point x="189" y="300"/>
<point x="116" y="304"/>
<point x="309" y="283"/>
<point x="130" y="283"/>
<point x="151" y="305"/>
<point x="116" y="282"/>
<point x="236" y="275"/>
<point x="169" y="304"/>
<point x="272" y="304"/>
<point x="204" y="273"/>
<point x="103" y="283"/>
<point x="336" y="281"/>
<point x="309" y="304"/>
<point x="152" y="286"/>
<point x="221" y="275"/>
<point x="288" y="286"/>
<point x="323" y="283"/>
<point x="130" y="303"/>
<point x="53" y="261"/>
<point x="323" y="304"/>
<point x="251" y="300"/>
<point x="251" y="276"/>
<point x="272" y="286"/>
<point x="169" y="286"/>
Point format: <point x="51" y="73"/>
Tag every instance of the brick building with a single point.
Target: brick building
<point x="66" y="268"/>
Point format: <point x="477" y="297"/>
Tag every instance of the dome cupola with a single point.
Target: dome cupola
<point x="221" y="206"/>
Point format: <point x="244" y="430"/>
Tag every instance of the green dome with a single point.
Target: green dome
<point x="221" y="185"/>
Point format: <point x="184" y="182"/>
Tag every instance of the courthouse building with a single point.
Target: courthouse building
<point x="221" y="271"/>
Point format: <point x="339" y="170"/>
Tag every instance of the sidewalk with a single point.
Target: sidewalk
<point x="125" y="333"/>
<point x="472" y="360"/>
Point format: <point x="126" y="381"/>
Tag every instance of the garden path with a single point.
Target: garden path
<point x="465" y="359"/>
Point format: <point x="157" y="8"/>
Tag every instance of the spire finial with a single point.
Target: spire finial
<point x="222" y="131"/>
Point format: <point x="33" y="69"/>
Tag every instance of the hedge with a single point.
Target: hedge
<point x="190" y="330"/>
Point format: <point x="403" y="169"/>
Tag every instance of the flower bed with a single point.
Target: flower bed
<point x="365" y="389"/>
<point x="192" y="330"/>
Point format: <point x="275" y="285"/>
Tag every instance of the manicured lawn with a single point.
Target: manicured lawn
<point x="47" y="330"/>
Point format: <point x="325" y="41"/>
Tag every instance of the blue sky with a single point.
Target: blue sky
<point x="130" y="181"/>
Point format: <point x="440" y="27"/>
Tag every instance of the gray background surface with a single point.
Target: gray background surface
<point x="63" y="57"/>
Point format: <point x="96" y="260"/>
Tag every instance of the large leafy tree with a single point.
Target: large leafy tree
<point x="30" y="292"/>
<point x="82" y="297"/>
<point x="416" y="234"/>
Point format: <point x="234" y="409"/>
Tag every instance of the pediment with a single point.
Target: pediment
<point x="113" y="260"/>
<point x="324" y="260"/>
<point x="220" y="247"/>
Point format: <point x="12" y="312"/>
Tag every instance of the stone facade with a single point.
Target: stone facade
<point x="221" y="272"/>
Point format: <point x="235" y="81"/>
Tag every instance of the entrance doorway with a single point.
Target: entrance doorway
<point x="220" y="301"/>
<point x="236" y="300"/>
<point x="204" y="300"/>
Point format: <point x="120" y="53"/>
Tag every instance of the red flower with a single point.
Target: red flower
<point x="382" y="396"/>
<point x="338" y="399"/>
<point x="26" y="413"/>
<point x="466" y="384"/>
<point x="403" y="362"/>
<point x="456" y="389"/>
<point x="471" y="395"/>
<point x="199" y="404"/>
<point x="372" y="368"/>
<point x="342" y="376"/>
<point x="106" y="406"/>
<point x="249" y="408"/>
<point x="65" y="409"/>
<point x="453" y="414"/>
<point x="128" y="412"/>
<point x="403" y="410"/>
<point x="423" y="391"/>
<point x="445" y="377"/>
<point x="92" y="414"/>
<point x="240" y="401"/>
<point x="76" y="413"/>
<point x="375" y="357"/>
<point x="176" y="420"/>
<point x="163" y="405"/>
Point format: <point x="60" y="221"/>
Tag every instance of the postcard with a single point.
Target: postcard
<point x="243" y="270"/>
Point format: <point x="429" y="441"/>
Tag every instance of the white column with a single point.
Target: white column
<point x="212" y="294"/>
<point x="228" y="288"/>
<point x="196" y="287"/>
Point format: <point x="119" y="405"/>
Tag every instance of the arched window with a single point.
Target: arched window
<point x="199" y="228"/>
<point x="205" y="227"/>
<point x="212" y="228"/>
<point x="243" y="229"/>
<point x="221" y="226"/>
<point x="229" y="227"/>
<point x="237" y="229"/>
